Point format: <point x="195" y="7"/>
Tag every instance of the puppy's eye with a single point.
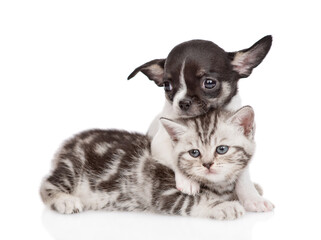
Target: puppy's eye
<point x="209" y="83"/>
<point x="168" y="86"/>
<point x="222" y="149"/>
<point x="194" y="153"/>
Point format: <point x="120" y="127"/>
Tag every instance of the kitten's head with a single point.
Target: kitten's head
<point x="214" y="147"/>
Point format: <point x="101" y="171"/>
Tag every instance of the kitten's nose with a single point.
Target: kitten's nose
<point x="207" y="165"/>
<point x="185" y="104"/>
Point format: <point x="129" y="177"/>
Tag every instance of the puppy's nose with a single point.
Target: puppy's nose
<point x="207" y="165"/>
<point x="185" y="104"/>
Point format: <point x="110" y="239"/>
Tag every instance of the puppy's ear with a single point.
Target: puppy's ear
<point x="244" y="118"/>
<point x="154" y="70"/>
<point x="174" y="129"/>
<point x="245" y="60"/>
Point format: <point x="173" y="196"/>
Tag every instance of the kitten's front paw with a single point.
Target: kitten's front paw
<point x="186" y="185"/>
<point x="257" y="204"/>
<point x="228" y="211"/>
<point x="67" y="204"/>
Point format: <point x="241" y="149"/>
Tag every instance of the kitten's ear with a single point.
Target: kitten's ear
<point x="154" y="70"/>
<point x="174" y="129"/>
<point x="245" y="60"/>
<point x="244" y="118"/>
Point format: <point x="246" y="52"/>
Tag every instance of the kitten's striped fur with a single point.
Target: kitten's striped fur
<point x="114" y="170"/>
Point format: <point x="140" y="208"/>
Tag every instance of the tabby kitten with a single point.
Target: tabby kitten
<point x="114" y="170"/>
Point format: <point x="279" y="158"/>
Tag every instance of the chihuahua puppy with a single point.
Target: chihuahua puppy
<point x="198" y="76"/>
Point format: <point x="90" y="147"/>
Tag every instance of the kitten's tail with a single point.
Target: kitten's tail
<point x="57" y="188"/>
<point x="58" y="199"/>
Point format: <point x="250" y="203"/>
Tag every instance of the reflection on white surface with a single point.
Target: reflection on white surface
<point x="123" y="225"/>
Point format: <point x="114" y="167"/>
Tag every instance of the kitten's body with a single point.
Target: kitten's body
<point x="114" y="170"/>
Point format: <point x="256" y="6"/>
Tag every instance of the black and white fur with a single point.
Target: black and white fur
<point x="199" y="75"/>
<point x="115" y="170"/>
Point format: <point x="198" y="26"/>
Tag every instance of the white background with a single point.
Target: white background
<point x="63" y="69"/>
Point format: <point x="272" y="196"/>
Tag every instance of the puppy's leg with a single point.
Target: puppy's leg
<point x="249" y="196"/>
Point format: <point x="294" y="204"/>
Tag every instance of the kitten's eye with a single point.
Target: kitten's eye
<point x="209" y="83"/>
<point x="194" y="153"/>
<point x="168" y="86"/>
<point x="222" y="149"/>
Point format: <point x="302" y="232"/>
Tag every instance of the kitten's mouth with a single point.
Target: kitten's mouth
<point x="212" y="171"/>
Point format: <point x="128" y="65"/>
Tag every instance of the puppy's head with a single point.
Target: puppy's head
<point x="198" y="75"/>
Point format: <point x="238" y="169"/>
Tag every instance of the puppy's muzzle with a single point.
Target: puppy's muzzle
<point x="185" y="104"/>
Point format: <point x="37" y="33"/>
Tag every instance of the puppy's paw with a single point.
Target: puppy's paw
<point x="228" y="211"/>
<point x="67" y="204"/>
<point x="186" y="185"/>
<point x="257" y="204"/>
